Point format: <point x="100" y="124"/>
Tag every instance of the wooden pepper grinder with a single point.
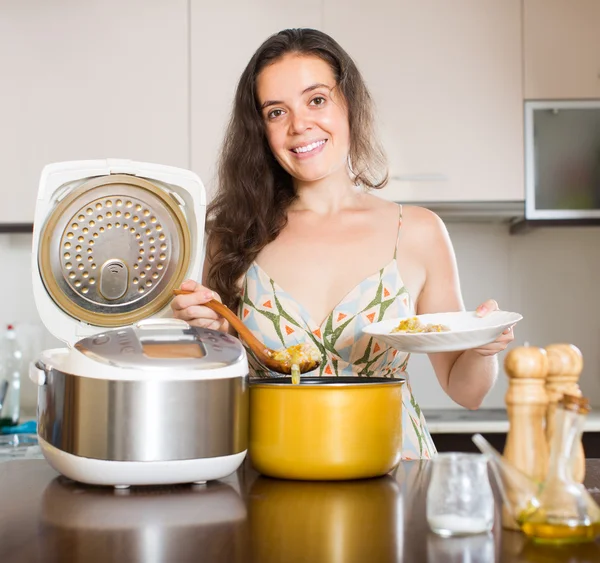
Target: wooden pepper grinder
<point x="526" y="403"/>
<point x="565" y="363"/>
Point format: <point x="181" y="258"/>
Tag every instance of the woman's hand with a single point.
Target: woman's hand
<point x="502" y="341"/>
<point x="190" y="307"/>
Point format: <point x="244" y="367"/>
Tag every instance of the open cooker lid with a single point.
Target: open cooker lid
<point x="112" y="247"/>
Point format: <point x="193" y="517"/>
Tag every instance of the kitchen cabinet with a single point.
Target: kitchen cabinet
<point x="224" y="36"/>
<point x="447" y="82"/>
<point x="561" y="45"/>
<point x="86" y="80"/>
<point x="461" y="442"/>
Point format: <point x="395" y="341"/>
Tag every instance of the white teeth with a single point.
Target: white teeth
<point x="309" y="148"/>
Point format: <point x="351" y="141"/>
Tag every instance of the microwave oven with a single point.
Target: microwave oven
<point x="562" y="160"/>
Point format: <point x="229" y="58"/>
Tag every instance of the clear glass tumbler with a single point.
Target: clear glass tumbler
<point x="459" y="497"/>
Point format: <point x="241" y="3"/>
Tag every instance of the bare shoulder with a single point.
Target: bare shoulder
<point x="372" y="201"/>
<point x="382" y="207"/>
<point x="419" y="224"/>
<point x="423" y="223"/>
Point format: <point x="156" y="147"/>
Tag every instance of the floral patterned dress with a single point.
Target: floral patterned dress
<point x="280" y="321"/>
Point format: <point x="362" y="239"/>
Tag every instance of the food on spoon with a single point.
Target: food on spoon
<point x="298" y="354"/>
<point x="413" y="325"/>
<point x="295" y="374"/>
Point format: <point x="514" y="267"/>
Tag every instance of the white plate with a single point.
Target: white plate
<point x="467" y="331"/>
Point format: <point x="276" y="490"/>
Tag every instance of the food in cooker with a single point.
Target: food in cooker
<point x="298" y="354"/>
<point x="414" y="325"/>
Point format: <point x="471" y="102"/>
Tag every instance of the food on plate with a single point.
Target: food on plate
<point x="413" y="325"/>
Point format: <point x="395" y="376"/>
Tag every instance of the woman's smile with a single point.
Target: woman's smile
<point x="309" y="150"/>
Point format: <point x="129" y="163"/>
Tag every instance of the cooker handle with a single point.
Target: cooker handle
<point x="37" y="373"/>
<point x="161" y="323"/>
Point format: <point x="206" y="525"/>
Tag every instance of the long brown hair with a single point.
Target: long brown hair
<point x="254" y="192"/>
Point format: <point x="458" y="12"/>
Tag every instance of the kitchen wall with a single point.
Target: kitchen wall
<point x="550" y="275"/>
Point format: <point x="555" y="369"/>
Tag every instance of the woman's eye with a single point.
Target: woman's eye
<point x="274" y="113"/>
<point x="318" y="101"/>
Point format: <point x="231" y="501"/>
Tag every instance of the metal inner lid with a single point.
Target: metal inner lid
<point x="112" y="250"/>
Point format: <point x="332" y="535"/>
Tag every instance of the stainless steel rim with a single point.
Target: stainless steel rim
<point x="327" y="382"/>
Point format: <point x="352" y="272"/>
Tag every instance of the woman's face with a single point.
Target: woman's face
<point x="305" y="116"/>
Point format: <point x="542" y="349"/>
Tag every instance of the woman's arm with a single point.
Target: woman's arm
<point x="465" y="376"/>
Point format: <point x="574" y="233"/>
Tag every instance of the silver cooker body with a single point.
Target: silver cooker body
<point x="162" y="420"/>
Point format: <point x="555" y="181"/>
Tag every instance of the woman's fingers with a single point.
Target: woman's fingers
<point x="207" y="323"/>
<point x="498" y="345"/>
<point x="190" y="285"/>
<point x="190" y="307"/>
<point x="192" y="299"/>
<point x="487" y="307"/>
<point x="198" y="296"/>
<point x="198" y="312"/>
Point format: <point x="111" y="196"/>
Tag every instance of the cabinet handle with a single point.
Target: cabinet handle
<point x="419" y="177"/>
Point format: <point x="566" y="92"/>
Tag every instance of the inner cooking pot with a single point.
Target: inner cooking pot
<point x="325" y="428"/>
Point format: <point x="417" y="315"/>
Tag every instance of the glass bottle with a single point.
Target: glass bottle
<point x="566" y="512"/>
<point x="12" y="359"/>
<point x="519" y="491"/>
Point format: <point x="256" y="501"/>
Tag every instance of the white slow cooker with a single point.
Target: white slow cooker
<point x="136" y="398"/>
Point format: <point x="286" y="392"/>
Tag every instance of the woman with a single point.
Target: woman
<point x="301" y="249"/>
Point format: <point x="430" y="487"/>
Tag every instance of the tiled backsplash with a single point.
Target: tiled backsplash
<point x="551" y="276"/>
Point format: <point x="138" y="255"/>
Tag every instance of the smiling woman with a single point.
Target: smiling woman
<point x="302" y="249"/>
<point x="305" y="123"/>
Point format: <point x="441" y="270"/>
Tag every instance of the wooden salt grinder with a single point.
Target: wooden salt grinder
<point x="565" y="363"/>
<point x="526" y="403"/>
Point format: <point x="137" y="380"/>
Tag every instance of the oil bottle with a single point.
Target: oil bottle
<point x="558" y="510"/>
<point x="565" y="511"/>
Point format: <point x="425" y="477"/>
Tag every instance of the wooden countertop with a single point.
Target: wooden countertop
<point x="246" y="518"/>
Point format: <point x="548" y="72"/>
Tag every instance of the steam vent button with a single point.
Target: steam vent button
<point x="114" y="278"/>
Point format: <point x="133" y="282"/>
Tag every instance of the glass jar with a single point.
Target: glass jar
<point x="459" y="497"/>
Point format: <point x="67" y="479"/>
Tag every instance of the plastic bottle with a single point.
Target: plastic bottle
<point x="12" y="362"/>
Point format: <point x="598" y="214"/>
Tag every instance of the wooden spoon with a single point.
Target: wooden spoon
<point x="304" y="355"/>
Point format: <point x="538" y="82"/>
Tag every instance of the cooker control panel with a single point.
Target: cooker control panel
<point x="161" y="347"/>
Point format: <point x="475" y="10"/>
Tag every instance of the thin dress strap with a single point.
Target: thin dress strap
<point x="399" y="227"/>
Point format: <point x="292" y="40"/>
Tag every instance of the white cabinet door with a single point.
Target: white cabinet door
<point x="85" y="80"/>
<point x="561" y="49"/>
<point x="224" y="36"/>
<point x="446" y="79"/>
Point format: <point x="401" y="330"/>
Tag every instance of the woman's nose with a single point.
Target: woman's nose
<point x="299" y="123"/>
